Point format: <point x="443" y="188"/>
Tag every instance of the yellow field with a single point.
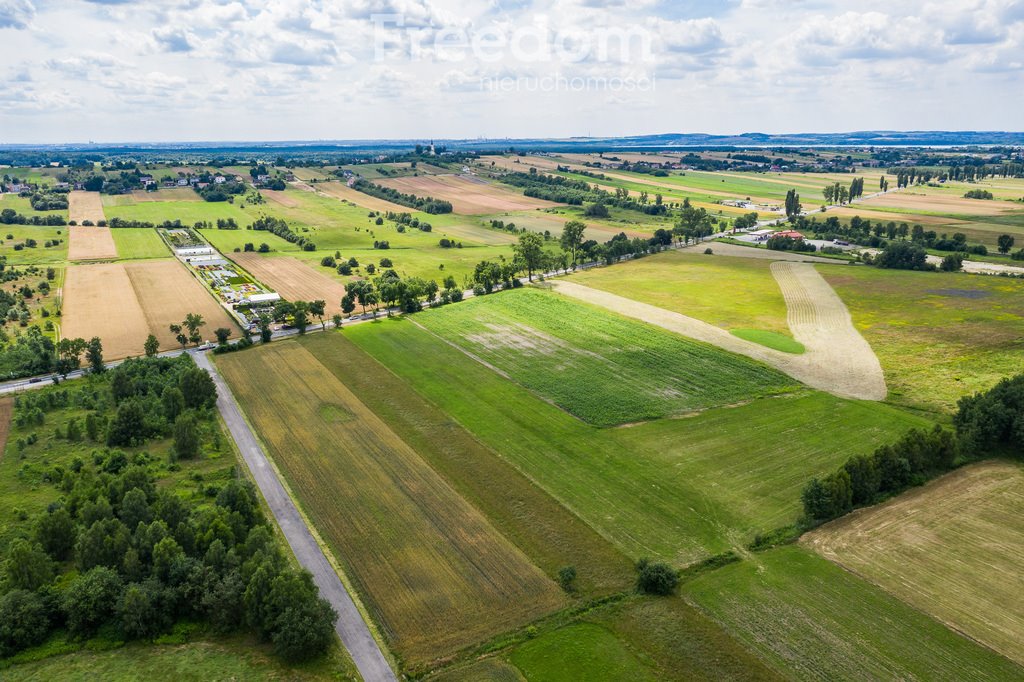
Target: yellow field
<point x="468" y="195"/>
<point x="294" y="279"/>
<point x="951" y="549"/>
<point x="90" y="243"/>
<point x="123" y="303"/>
<point x="434" y="573"/>
<point x="85" y="206"/>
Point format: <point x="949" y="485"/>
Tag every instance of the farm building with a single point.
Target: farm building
<point x="194" y="251"/>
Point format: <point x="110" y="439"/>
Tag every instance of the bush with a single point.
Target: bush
<point x="656" y="578"/>
<point x="24" y="621"/>
<point x="567" y="578"/>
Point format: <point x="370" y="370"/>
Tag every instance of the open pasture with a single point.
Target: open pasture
<point x="294" y="279"/>
<point x="188" y="212"/>
<point x="468" y="195"/>
<point x="951" y="548"/>
<point x="600" y="367"/>
<point x="40" y="254"/>
<point x="91" y="243"/>
<point x="122" y="303"/>
<point x="161" y="195"/>
<point x="433" y="572"/>
<point x="675" y="489"/>
<point x="812" y="620"/>
<point x="729" y="292"/>
<point x="938" y="336"/>
<point x="85" y="206"/>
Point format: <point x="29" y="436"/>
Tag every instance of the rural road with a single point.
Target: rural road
<point x="354" y="633"/>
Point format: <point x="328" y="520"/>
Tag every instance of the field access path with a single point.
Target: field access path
<point x="350" y="626"/>
<point x="837" y="359"/>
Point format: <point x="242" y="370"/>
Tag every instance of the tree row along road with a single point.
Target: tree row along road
<point x="350" y="626"/>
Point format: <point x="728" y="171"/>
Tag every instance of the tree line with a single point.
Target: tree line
<point x="987" y="424"/>
<point x="425" y="204"/>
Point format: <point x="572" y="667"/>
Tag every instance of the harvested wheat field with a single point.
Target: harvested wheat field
<point x="170" y="194"/>
<point x="338" y="190"/>
<point x="939" y="203"/>
<point x="90" y="243"/>
<point x="167" y="292"/>
<point x="279" y="197"/>
<point x="123" y="303"/>
<point x="468" y="195"/>
<point x="951" y="548"/>
<point x="294" y="279"/>
<point x="85" y="206"/>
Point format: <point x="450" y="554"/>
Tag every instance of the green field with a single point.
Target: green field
<point x="731" y="293"/>
<point x="188" y="212"/>
<point x="813" y="620"/>
<point x="578" y="652"/>
<point x="11" y="235"/>
<point x="435" y="575"/>
<point x="551" y="535"/>
<point x="939" y="336"/>
<point x="603" y="368"/>
<point x="677" y="489"/>
<point x="139" y="242"/>
<point x="234" y="658"/>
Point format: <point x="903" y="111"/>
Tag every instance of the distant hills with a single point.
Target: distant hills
<point x="868" y="138"/>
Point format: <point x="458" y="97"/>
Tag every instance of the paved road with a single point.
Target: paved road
<point x="354" y="633"/>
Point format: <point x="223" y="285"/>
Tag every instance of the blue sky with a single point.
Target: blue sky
<point x="120" y="70"/>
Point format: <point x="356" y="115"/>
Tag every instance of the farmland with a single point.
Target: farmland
<point x="950" y="548"/>
<point x="812" y="619"/>
<point x="938" y="336"/>
<point x="468" y="195"/>
<point x="85" y="206"/>
<point x="553" y="346"/>
<point x="435" y="574"/>
<point x="138" y="242"/>
<point x="681" y="281"/>
<point x="644" y="487"/>
<point x="454" y="463"/>
<point x="293" y="279"/>
<point x="124" y="303"/>
<point x="91" y="243"/>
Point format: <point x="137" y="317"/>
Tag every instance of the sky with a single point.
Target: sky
<point x="216" y="70"/>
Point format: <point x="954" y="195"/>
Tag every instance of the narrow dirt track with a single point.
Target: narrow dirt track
<point x="837" y="359"/>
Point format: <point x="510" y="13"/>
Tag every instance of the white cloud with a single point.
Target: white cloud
<point x="721" y="66"/>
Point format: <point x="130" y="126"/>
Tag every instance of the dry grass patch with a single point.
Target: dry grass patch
<point x="85" y="206"/>
<point x="294" y="279"/>
<point x="951" y="548"/>
<point x="90" y="243"/>
<point x="279" y="197"/>
<point x="935" y="203"/>
<point x="435" y="575"/>
<point x="468" y="195"/>
<point x="123" y="303"/>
